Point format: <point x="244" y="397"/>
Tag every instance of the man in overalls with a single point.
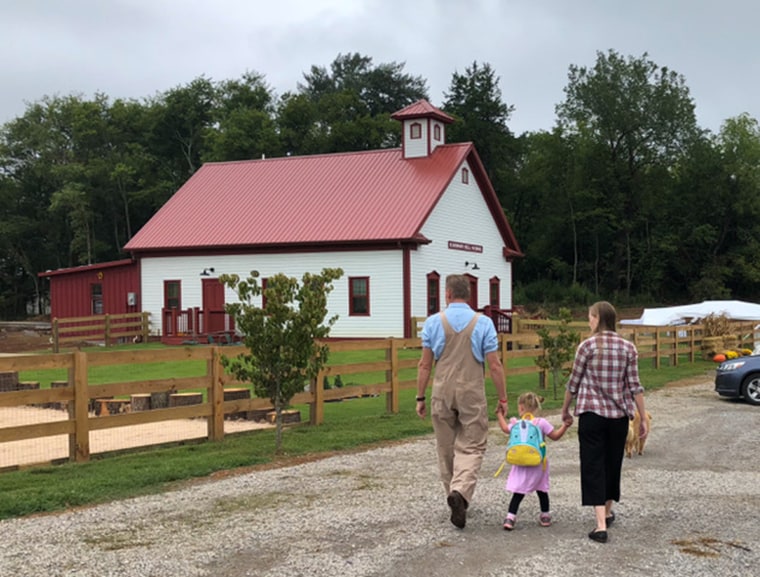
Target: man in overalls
<point x="459" y="342"/>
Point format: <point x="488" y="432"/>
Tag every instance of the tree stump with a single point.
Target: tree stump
<point x="28" y="385"/>
<point x="8" y="381"/>
<point x="59" y="405"/>
<point x="93" y="405"/>
<point x="257" y="415"/>
<point x="159" y="400"/>
<point x="184" y="399"/>
<point x="113" y="406"/>
<point x="140" y="402"/>
<point x="234" y="395"/>
<point x="289" y="416"/>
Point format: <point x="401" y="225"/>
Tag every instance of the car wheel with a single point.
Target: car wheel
<point x="751" y="390"/>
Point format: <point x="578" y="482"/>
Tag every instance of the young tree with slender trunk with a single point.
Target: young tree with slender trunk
<point x="285" y="350"/>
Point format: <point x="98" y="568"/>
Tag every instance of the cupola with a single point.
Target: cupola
<point x="423" y="128"/>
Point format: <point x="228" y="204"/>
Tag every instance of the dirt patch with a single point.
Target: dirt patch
<point x="13" y="341"/>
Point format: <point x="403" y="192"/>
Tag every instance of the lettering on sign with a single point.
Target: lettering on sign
<point x="466" y="246"/>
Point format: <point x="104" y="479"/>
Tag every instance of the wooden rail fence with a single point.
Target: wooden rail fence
<point x="108" y="329"/>
<point x="90" y="406"/>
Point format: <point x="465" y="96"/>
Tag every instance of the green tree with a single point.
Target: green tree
<point x="558" y="347"/>
<point x="640" y="117"/>
<point x="283" y="340"/>
<point x="474" y="99"/>
<point x="383" y="89"/>
<point x="245" y="125"/>
<point x="347" y="107"/>
<point x="180" y="119"/>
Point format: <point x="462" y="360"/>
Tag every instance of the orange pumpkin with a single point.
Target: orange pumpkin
<point x="719" y="358"/>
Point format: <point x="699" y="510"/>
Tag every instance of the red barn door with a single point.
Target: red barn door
<point x="213" y="305"/>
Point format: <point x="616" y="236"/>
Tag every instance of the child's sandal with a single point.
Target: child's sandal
<point x="509" y="524"/>
<point x="545" y="519"/>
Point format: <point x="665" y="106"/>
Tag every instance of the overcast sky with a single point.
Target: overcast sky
<point x="137" y="48"/>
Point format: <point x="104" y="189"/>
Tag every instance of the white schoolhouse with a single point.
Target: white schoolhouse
<point x="397" y="221"/>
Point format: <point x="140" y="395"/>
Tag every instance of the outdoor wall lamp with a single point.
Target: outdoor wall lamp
<point x="207" y="271"/>
<point x="474" y="265"/>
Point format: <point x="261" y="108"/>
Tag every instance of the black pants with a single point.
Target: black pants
<point x="543" y="501"/>
<point x="602" y="445"/>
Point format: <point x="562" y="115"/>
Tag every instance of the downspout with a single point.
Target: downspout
<point x="407" y="272"/>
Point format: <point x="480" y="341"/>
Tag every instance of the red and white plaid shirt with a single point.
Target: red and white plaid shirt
<point x="605" y="376"/>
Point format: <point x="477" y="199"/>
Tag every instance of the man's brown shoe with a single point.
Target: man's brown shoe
<point x="458" y="506"/>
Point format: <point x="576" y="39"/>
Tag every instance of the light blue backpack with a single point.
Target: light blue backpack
<point x="526" y="446"/>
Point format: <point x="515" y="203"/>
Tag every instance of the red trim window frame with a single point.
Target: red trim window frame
<point x="173" y="294"/>
<point x="465" y="176"/>
<point x="358" y="296"/>
<point x="415" y="130"/>
<point x="433" y="293"/>
<point x="494" y="291"/>
<point x="437" y="132"/>
<point x="96" y="298"/>
<point x="263" y="293"/>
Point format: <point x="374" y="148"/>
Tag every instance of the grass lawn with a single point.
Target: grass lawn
<point x="349" y="425"/>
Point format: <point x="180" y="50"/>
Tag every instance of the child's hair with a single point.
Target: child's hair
<point x="530" y="401"/>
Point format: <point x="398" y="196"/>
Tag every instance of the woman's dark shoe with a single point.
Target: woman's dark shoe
<point x="610" y="520"/>
<point x="598" y="536"/>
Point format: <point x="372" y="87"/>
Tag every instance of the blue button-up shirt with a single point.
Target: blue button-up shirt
<point x="484" y="338"/>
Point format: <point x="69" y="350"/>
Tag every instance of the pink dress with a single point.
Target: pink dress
<point x="529" y="479"/>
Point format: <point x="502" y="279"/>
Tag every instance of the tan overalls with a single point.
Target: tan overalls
<point x="458" y="411"/>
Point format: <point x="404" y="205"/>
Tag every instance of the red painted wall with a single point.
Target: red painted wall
<point x="71" y="292"/>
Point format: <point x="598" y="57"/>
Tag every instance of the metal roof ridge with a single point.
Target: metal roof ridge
<point x="303" y="156"/>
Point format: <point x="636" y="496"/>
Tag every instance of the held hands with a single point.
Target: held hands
<point x="501" y="407"/>
<point x="568" y="421"/>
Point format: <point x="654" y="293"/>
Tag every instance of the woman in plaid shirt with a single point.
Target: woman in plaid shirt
<point x="605" y="385"/>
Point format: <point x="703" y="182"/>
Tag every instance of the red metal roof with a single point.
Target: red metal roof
<point x="87" y="267"/>
<point x="422" y="109"/>
<point x="352" y="197"/>
<point x="349" y="198"/>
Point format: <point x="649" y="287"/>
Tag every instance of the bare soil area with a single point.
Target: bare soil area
<point x="13" y="341"/>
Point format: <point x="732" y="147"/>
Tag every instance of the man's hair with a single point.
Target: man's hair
<point x="606" y="314"/>
<point x="459" y="286"/>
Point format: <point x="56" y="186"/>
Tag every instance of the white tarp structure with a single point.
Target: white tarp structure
<point x="687" y="314"/>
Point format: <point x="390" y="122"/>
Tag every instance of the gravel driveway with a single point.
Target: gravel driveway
<point x="690" y="507"/>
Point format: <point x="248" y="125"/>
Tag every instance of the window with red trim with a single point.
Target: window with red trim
<point x="437" y="132"/>
<point x="358" y="296"/>
<point x="172" y="294"/>
<point x="433" y="293"/>
<point x="263" y="293"/>
<point x="465" y="176"/>
<point x="96" y="298"/>
<point x="415" y="130"/>
<point x="494" y="286"/>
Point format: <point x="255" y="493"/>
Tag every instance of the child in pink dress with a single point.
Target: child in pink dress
<point x="524" y="480"/>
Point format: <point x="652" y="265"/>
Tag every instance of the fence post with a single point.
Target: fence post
<point x="503" y="349"/>
<point x="216" y="396"/>
<point x="391" y="398"/>
<point x="675" y="347"/>
<point x="317" y="407"/>
<point x="107" y="329"/>
<point x="79" y="442"/>
<point x="145" y="326"/>
<point x="54" y="328"/>
<point x="657" y="347"/>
